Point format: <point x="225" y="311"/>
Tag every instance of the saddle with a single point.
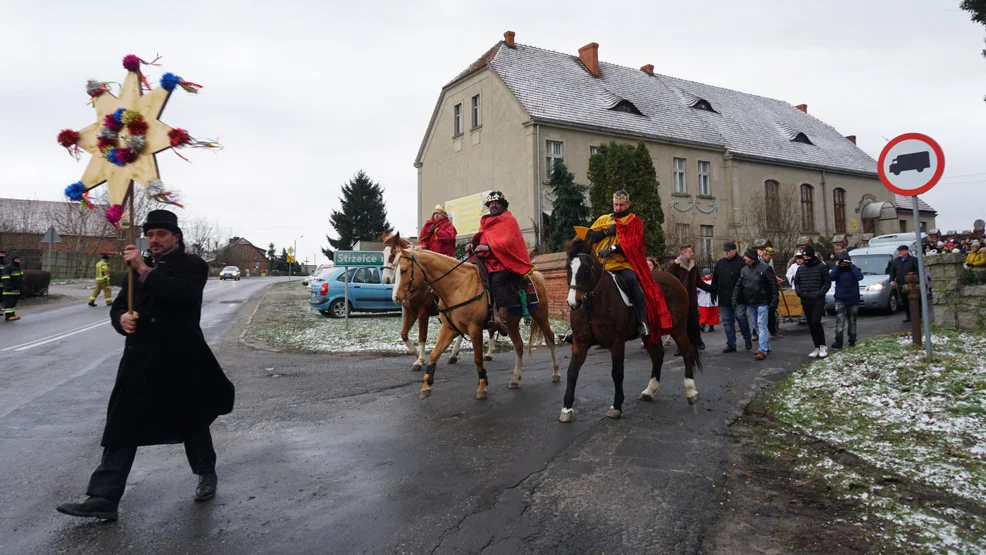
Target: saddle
<point x="623" y="287"/>
<point x="520" y="298"/>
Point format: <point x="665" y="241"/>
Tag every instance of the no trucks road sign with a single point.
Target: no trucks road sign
<point x="911" y="164"/>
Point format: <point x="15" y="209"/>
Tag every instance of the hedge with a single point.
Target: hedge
<point x="35" y="283"/>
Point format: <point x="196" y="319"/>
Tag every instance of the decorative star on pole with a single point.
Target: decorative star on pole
<point x="144" y="168"/>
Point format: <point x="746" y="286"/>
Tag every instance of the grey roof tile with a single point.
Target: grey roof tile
<point x="900" y="201"/>
<point x="554" y="86"/>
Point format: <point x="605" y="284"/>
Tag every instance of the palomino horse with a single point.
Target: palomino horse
<point x="466" y="304"/>
<point x="600" y="316"/>
<point x="420" y="307"/>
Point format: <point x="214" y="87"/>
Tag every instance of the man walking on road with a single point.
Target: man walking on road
<point x="12" y="277"/>
<point x="768" y="259"/>
<point x="169" y="387"/>
<point x="757" y="290"/>
<point x="724" y="278"/>
<point x="901" y="266"/>
<point x="846" y="276"/>
<point x="812" y="282"/>
<point x="102" y="282"/>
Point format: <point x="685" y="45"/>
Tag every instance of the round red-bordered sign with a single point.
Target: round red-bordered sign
<point x="932" y="181"/>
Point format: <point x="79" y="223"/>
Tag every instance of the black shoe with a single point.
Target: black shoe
<point x="729" y="349"/>
<point x="92" y="303"/>
<point x="852" y="343"/>
<point x="837" y="345"/>
<point x="677" y="352"/>
<point x="712" y="328"/>
<point x="749" y="345"/>
<point x="94" y="507"/>
<point x="701" y="346"/>
<point x="207" y="487"/>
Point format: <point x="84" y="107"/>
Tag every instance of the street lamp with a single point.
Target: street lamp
<point x="293" y="254"/>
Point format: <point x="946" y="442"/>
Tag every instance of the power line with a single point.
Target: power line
<point x="966" y="175"/>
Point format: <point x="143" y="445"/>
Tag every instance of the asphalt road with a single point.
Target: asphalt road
<point x="336" y="454"/>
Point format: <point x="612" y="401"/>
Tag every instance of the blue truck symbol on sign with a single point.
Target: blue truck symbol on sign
<point x="914" y="161"/>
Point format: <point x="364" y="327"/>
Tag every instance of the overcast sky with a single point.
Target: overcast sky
<point x="304" y="94"/>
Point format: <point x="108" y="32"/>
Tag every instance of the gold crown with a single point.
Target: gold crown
<point x="495" y="195"/>
<point x="439" y="208"/>
<point x="621" y="196"/>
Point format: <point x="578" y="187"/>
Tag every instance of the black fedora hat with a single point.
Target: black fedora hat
<point x="162" y="219"/>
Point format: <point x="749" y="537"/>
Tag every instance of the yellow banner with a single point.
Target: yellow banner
<point x="465" y="212"/>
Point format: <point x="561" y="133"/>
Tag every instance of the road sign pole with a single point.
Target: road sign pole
<point x="925" y="316"/>
<point x="345" y="281"/>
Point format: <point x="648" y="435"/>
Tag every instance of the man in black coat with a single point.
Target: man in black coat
<point x="902" y="265"/>
<point x="169" y="387"/>
<point x="724" y="278"/>
<point x="757" y="291"/>
<point x="811" y="283"/>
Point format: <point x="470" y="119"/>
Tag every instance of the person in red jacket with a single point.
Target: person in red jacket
<point x="438" y="233"/>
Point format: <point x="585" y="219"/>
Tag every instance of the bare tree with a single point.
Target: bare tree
<point x="777" y="219"/>
<point x="200" y="235"/>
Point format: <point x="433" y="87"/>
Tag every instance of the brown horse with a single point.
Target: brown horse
<point x="419" y="307"/>
<point x="600" y="316"/>
<point x="465" y="308"/>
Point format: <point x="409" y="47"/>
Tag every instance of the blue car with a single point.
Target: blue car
<point x="367" y="292"/>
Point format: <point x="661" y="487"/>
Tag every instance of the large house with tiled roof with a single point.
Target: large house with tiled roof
<point x="503" y="122"/>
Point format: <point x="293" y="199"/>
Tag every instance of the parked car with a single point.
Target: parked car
<point x="874" y="261"/>
<point x="367" y="292"/>
<point x="230" y="272"/>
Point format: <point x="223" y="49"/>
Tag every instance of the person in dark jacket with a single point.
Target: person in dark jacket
<point x="812" y="282"/>
<point x="757" y="290"/>
<point x="169" y="387"/>
<point x="901" y="266"/>
<point x="12" y="276"/>
<point x="724" y="277"/>
<point x="686" y="271"/>
<point x="846" y="277"/>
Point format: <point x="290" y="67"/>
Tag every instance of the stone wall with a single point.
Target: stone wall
<point x="956" y="305"/>
<point x="552" y="266"/>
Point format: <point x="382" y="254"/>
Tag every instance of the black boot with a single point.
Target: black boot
<point x="93" y="507"/>
<point x="837" y="344"/>
<point x="92" y="303"/>
<point x="729" y="349"/>
<point x="749" y="345"/>
<point x="712" y="328"/>
<point x="852" y="342"/>
<point x="207" y="487"/>
<point x="499" y="321"/>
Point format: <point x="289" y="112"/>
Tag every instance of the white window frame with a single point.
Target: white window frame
<point x="707" y="233"/>
<point x="704" y="178"/>
<point x="680" y="183"/>
<point x="554" y="152"/>
<point x="457" y="120"/>
<point x="593" y="150"/>
<point x="476" y="112"/>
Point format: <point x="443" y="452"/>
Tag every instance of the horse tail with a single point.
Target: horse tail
<point x="695" y="338"/>
<point x="537" y="334"/>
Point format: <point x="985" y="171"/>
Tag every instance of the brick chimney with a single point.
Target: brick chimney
<point x="648" y="69"/>
<point x="802" y="107"/>
<point x="852" y="138"/>
<point x="589" y="55"/>
<point x="508" y="38"/>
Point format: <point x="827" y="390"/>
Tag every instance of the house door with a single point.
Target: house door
<point x="869" y="225"/>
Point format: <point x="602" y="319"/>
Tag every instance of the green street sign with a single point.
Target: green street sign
<point x="358" y="258"/>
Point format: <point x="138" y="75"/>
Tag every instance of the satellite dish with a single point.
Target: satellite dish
<point x="979" y="224"/>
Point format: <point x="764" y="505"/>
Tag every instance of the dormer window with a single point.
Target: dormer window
<point x="626" y="106"/>
<point x="703" y="104"/>
<point x="802" y="138"/>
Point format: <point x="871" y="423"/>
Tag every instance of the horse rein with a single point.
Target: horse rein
<point x="587" y="293"/>
<point x="408" y="290"/>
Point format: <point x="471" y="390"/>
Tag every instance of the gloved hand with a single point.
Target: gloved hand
<point x="611" y="230"/>
<point x="715" y="298"/>
<point x="595" y="235"/>
<point x="603" y="253"/>
<point x="430" y="228"/>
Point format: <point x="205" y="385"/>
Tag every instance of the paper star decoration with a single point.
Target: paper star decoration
<point x="144" y="168"/>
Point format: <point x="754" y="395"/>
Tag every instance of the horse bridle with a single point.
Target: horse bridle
<point x="587" y="293"/>
<point x="408" y="290"/>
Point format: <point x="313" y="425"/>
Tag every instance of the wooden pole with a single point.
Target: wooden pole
<point x="130" y="241"/>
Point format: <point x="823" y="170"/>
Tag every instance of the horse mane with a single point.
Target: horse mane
<point x="577" y="246"/>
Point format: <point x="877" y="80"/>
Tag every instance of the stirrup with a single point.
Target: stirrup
<point x="643" y="329"/>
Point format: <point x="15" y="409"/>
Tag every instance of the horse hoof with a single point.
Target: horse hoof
<point x="487" y="358"/>
<point x="513" y="385"/>
<point x="645" y="397"/>
<point x="614" y="414"/>
<point x="566" y="416"/>
<point x="555" y="379"/>
<point x="416" y="367"/>
<point x="692" y="400"/>
<point x="453" y="360"/>
<point x="481" y="396"/>
<point x="425" y="393"/>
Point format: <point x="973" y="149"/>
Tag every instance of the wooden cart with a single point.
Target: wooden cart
<point x="789" y="306"/>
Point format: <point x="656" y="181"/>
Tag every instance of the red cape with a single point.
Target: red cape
<point x="442" y="240"/>
<point x="631" y="236"/>
<point x="502" y="234"/>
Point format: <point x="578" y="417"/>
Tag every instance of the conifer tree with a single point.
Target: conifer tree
<point x="363" y="216"/>
<point x="569" y="208"/>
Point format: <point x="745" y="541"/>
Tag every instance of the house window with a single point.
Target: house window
<point x="703" y="104"/>
<point x="475" y="112"/>
<point x="704" y="188"/>
<point x="802" y="138"/>
<point x="706" y="232"/>
<point x="772" y="205"/>
<point x="839" y="201"/>
<point x="679" y="176"/>
<point x="457" y="121"/>
<point x="903" y="226"/>
<point x="924" y="227"/>
<point x="682" y="232"/>
<point x="593" y="150"/>
<point x="807" y="208"/>
<point x="626" y="106"/>
<point x="554" y="156"/>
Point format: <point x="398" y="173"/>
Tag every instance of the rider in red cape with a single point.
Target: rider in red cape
<point x="618" y="239"/>
<point x="503" y="250"/>
<point x="438" y="233"/>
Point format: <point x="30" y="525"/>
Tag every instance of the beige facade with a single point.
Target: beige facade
<point x="511" y="151"/>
